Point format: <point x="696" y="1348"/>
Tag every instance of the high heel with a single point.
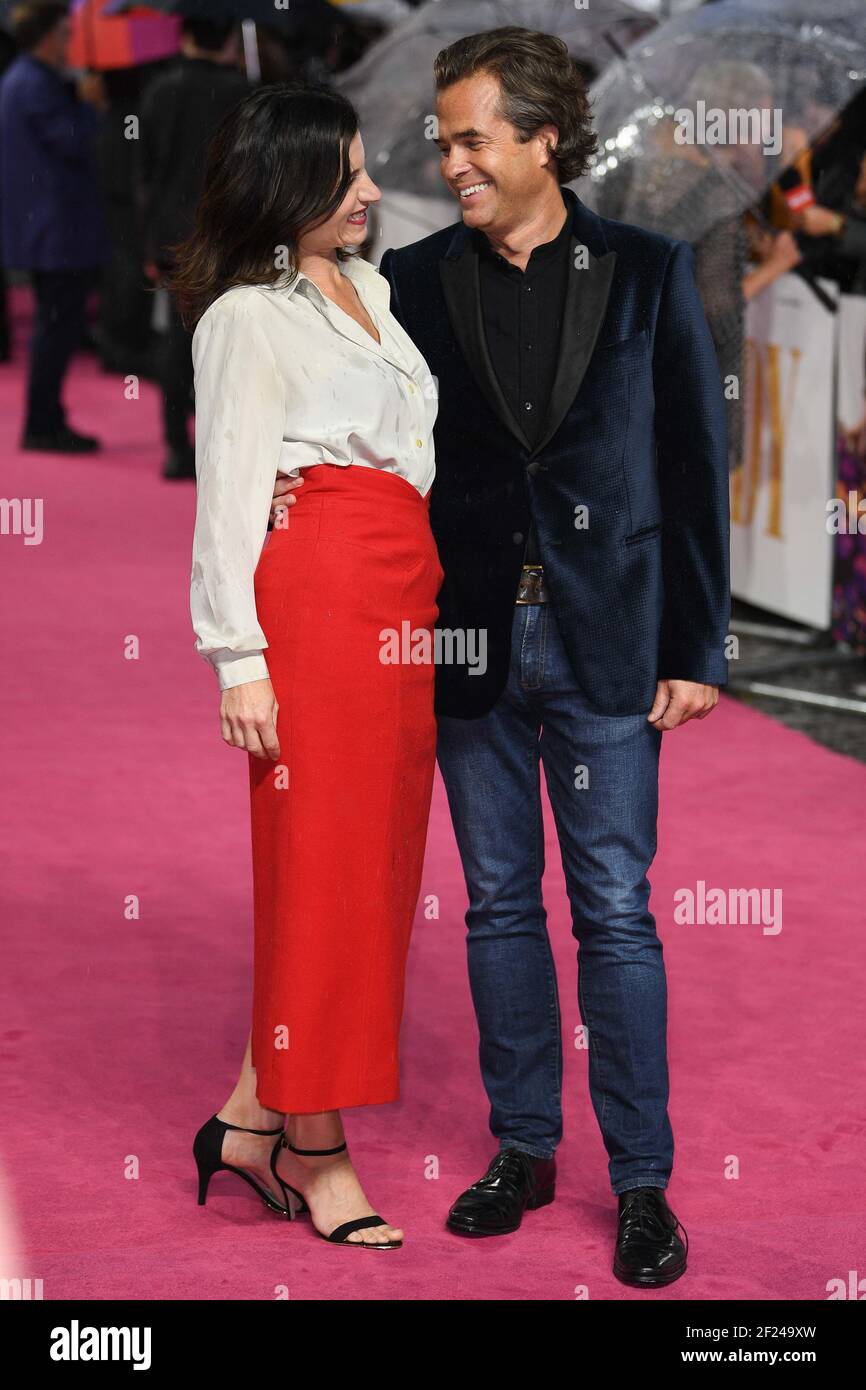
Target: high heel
<point x="339" y="1234"/>
<point x="207" y="1151"/>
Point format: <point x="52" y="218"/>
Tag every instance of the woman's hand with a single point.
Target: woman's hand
<point x="818" y="221"/>
<point x="784" y="253"/>
<point x="248" y="718"/>
<point x="282" y="499"/>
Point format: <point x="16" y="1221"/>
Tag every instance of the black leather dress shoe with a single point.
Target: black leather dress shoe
<point x="61" y="441"/>
<point x="179" y="464"/>
<point x="514" y="1183"/>
<point x="648" y="1250"/>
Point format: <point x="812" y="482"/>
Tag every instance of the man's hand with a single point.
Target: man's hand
<point x="677" y="702"/>
<point x="283" y="498"/>
<point x="91" y="88"/>
<point x="248" y="718"/>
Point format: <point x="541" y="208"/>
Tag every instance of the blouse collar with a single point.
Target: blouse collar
<point x="356" y="268"/>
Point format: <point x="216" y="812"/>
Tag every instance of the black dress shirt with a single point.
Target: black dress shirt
<point x="522" y="315"/>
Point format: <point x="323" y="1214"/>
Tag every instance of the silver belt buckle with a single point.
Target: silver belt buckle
<point x="532" y="588"/>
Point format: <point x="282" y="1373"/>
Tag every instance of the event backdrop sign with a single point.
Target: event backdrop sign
<point x="781" y="547"/>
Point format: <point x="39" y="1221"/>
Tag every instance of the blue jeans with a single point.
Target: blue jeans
<point x="606" y="825"/>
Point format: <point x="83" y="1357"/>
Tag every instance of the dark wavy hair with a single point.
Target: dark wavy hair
<point x="277" y="166"/>
<point x="540" y="86"/>
<point x="31" y="21"/>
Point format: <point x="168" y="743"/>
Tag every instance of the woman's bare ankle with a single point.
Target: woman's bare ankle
<point x="323" y="1131"/>
<point x="250" y="1115"/>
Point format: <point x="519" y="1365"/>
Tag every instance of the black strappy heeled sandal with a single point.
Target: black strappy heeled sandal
<point x="207" y="1151"/>
<point x="339" y="1234"/>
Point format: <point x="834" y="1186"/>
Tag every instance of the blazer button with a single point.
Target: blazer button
<point x="517" y="537"/>
<point x="534" y="468"/>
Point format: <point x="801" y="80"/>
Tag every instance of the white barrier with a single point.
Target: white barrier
<point x="781" y="549"/>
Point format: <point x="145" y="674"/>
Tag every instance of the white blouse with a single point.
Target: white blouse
<point x="286" y="379"/>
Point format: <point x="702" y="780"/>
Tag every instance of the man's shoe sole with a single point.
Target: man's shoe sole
<point x="31" y="446"/>
<point x="541" y="1199"/>
<point x="648" y="1281"/>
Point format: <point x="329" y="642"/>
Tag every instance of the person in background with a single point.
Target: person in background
<point x="7" y="55"/>
<point x="820" y="203"/>
<point x="180" y="110"/>
<point x="54" y="223"/>
<point x="127" y="340"/>
<point x="833" y="228"/>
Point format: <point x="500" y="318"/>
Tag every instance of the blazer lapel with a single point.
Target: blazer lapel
<point x="460" y="284"/>
<point x="586" y="295"/>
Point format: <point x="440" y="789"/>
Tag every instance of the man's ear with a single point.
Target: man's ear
<point x="550" y="137"/>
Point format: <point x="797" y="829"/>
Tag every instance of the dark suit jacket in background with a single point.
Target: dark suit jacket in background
<point x="53" y="211"/>
<point x="635" y="433"/>
<point x="180" y="110"/>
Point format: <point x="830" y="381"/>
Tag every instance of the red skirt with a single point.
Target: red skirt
<point x="339" y="822"/>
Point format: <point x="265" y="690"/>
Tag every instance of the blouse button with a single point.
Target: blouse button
<point x="419" y="444"/>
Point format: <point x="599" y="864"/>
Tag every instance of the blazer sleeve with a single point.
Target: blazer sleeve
<point x="692" y="460"/>
<point x="240" y="420"/>
<point x="62" y="125"/>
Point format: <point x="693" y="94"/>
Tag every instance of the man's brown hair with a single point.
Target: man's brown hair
<point x="31" y="21"/>
<point x="540" y="86"/>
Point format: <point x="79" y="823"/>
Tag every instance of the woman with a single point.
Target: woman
<point x="299" y="365"/>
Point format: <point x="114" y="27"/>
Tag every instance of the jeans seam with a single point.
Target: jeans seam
<point x="543" y="624"/>
<point x="552" y="983"/>
<point x="525" y="642"/>
<point x="594" y="1047"/>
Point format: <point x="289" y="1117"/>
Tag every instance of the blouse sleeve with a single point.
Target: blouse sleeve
<point x="239" y="423"/>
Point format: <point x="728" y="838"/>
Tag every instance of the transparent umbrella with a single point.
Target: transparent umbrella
<point x="794" y="68"/>
<point x="392" y="86"/>
<point x="775" y="61"/>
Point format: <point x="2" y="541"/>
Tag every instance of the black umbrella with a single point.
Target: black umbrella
<point x="260" y="11"/>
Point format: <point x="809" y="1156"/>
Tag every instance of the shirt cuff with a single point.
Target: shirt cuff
<point x="239" y="668"/>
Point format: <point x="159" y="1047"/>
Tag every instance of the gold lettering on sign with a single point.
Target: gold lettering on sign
<point x="754" y="393"/>
<point x="764" y="365"/>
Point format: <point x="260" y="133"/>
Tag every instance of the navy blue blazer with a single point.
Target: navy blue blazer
<point x="52" y="208"/>
<point x="627" y="484"/>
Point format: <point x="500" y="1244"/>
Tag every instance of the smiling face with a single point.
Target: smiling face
<point x="348" y="225"/>
<point x="495" y="178"/>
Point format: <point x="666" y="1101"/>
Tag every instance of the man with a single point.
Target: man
<point x="54" y="222"/>
<point x="181" y="108"/>
<point x="580" y="508"/>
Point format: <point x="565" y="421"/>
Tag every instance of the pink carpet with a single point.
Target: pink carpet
<point x="122" y="1035"/>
